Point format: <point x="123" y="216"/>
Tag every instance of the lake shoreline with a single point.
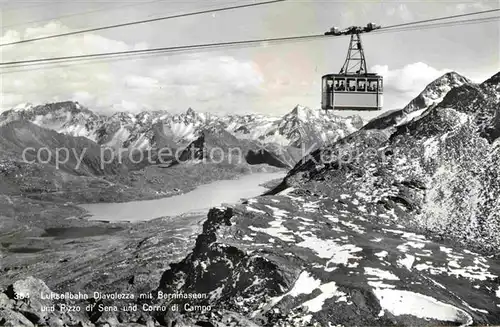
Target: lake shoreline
<point x="149" y="183"/>
<point x="257" y="185"/>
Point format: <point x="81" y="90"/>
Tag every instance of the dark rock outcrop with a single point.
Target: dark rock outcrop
<point x="264" y="157"/>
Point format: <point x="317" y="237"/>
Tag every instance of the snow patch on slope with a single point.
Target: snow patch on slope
<point x="400" y="302"/>
<point x="328" y="291"/>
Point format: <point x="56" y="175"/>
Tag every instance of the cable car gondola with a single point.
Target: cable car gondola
<point x="353" y="88"/>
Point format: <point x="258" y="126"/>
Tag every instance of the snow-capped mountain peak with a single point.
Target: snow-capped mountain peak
<point x="435" y="91"/>
<point x="303" y="113"/>
<point x="432" y="95"/>
<point x="23" y="106"/>
<point x="57" y="116"/>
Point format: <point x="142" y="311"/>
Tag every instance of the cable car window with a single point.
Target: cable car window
<point x="336" y="85"/>
<point x="340" y="84"/>
<point x="372" y="85"/>
<point x="351" y="84"/>
<point x="361" y="85"/>
<point x="380" y="85"/>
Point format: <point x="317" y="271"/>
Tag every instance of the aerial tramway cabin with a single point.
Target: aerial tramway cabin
<point x="352" y="92"/>
<point x="353" y="88"/>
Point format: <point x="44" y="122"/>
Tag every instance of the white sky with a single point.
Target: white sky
<point x="268" y="80"/>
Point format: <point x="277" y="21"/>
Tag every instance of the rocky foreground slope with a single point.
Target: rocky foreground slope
<point x="305" y="260"/>
<point x="292" y="259"/>
<point x="394" y="225"/>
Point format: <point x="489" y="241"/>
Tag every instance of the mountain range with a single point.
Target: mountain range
<point x="153" y="129"/>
